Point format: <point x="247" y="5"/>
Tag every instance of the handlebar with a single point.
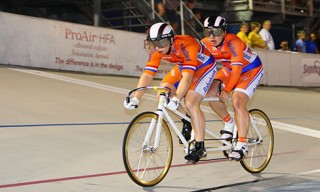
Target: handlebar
<point x="167" y="89"/>
<point x="156" y="88"/>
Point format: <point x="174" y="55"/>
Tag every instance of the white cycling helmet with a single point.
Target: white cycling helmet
<point x="160" y="34"/>
<point x="215" y="26"/>
<point x="215" y="22"/>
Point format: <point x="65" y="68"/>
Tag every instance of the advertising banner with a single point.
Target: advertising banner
<point x="43" y="43"/>
<point x="50" y="44"/>
<point x="311" y="71"/>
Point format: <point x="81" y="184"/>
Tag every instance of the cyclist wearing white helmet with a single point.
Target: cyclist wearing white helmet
<point x="241" y="73"/>
<point x="190" y="78"/>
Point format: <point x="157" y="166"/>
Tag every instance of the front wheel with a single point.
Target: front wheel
<point x="260" y="147"/>
<point x="146" y="164"/>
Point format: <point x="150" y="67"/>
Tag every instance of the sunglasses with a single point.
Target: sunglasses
<point x="213" y="31"/>
<point x="159" y="43"/>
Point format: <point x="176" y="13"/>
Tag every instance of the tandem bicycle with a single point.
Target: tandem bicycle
<point x="147" y="148"/>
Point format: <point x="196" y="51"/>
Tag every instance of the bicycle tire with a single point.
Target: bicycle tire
<point x="260" y="154"/>
<point x="146" y="167"/>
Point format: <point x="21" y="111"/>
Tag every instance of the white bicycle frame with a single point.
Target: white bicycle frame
<point x="163" y="114"/>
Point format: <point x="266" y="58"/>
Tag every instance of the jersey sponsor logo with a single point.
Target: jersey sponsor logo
<point x="247" y="56"/>
<point x="208" y="83"/>
<point x="202" y="57"/>
<point x="185" y="52"/>
<point x="233" y="50"/>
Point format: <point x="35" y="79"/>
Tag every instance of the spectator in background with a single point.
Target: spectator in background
<point x="254" y="36"/>
<point x="300" y="43"/>
<point x="242" y="34"/>
<point x="284" y="46"/>
<point x="159" y="7"/>
<point x="311" y="46"/>
<point x="198" y="15"/>
<point x="171" y="7"/>
<point x="188" y="16"/>
<point x="265" y="34"/>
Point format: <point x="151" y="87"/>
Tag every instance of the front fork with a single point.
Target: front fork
<point x="155" y="123"/>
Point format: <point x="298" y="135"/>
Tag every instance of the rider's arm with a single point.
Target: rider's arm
<point x="188" y="69"/>
<point x="149" y="72"/>
<point x="145" y="80"/>
<point x="237" y="46"/>
<point x="184" y="85"/>
<point x="234" y="77"/>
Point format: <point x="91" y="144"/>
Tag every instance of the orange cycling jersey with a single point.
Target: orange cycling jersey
<point x="235" y="55"/>
<point x="186" y="51"/>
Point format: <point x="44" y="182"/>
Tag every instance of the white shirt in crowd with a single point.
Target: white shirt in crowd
<point x="266" y="36"/>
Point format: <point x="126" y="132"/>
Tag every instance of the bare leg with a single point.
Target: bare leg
<point x="192" y="101"/>
<point x="239" y="101"/>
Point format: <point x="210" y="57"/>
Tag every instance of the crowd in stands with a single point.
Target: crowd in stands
<point x="255" y="34"/>
<point x="261" y="38"/>
<point x="310" y="44"/>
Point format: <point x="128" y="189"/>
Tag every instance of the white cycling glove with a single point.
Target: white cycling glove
<point x="133" y="103"/>
<point x="173" y="104"/>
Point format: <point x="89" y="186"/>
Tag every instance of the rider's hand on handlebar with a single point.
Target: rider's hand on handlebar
<point x="173" y="104"/>
<point x="224" y="96"/>
<point x="131" y="103"/>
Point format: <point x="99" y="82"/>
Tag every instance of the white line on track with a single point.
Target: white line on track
<point x="309" y="172"/>
<point x="81" y="82"/>
<point x="296" y="129"/>
<point x="275" y="124"/>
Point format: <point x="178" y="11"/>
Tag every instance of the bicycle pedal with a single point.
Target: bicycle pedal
<point x="192" y="162"/>
<point x="234" y="159"/>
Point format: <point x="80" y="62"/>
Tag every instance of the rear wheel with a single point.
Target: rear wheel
<point x="260" y="151"/>
<point x="145" y="164"/>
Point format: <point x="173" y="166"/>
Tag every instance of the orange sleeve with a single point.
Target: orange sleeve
<point x="153" y="62"/>
<point x="234" y="77"/>
<point x="237" y="47"/>
<point x="190" y="53"/>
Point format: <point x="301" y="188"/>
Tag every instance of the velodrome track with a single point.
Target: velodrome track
<point x="62" y="132"/>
